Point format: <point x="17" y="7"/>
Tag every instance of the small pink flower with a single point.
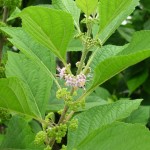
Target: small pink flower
<point x="81" y="79"/>
<point x="62" y="72"/>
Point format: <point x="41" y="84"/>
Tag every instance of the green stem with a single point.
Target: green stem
<point x="69" y="116"/>
<point x="86" y="50"/>
<point x="63" y="114"/>
<point x="90" y="60"/>
<point x="5" y="14"/>
<point x="83" y="57"/>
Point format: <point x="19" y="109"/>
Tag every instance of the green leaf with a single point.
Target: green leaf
<point x="126" y="32"/>
<point x="20" y="39"/>
<point x="118" y="136"/>
<point x="14" y="14"/>
<point x="101" y="93"/>
<point x="87" y="6"/>
<point x="68" y="6"/>
<point x="37" y="83"/>
<point x="75" y="45"/>
<point x="33" y="50"/>
<point x="110" y="64"/>
<point x="14" y="97"/>
<point x="141" y="115"/>
<point x="111" y="14"/>
<point x="97" y="117"/>
<point x="19" y="136"/>
<point x="136" y="81"/>
<point x="50" y="27"/>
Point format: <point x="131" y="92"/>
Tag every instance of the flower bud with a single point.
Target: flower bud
<point x="40" y="137"/>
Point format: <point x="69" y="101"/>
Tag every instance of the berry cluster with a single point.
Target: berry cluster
<point x="40" y="138"/>
<point x="50" y="131"/>
<point x="4" y="115"/>
<point x="68" y="99"/>
<point x="57" y="132"/>
<point x="64" y="94"/>
<point x="75" y="105"/>
<point x="91" y="42"/>
<point x="73" y="124"/>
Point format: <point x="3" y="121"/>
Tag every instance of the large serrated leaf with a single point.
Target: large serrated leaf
<point x="50" y="27"/>
<point x="68" y="6"/>
<point x="118" y="136"/>
<point x="37" y="83"/>
<point x="111" y="14"/>
<point x="19" y="136"/>
<point x="33" y="50"/>
<point x="108" y="65"/>
<point x="87" y="6"/>
<point x="15" y="97"/>
<point x="97" y="117"/>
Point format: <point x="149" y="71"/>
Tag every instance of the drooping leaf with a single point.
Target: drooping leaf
<point x="97" y="117"/>
<point x="37" y="83"/>
<point x="108" y="65"/>
<point x="19" y="136"/>
<point x="111" y="14"/>
<point x="68" y="6"/>
<point x="118" y="136"/>
<point x="54" y="29"/>
<point x="87" y="6"/>
<point x="14" y="97"/>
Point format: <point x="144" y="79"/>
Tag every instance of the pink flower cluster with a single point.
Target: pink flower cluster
<point x="71" y="80"/>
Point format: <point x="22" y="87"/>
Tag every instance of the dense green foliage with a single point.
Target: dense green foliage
<point x="50" y="99"/>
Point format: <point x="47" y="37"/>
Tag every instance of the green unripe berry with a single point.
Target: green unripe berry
<point x="4" y="115"/>
<point x="40" y="137"/>
<point x="48" y="148"/>
<point x="63" y="94"/>
<point x="58" y="139"/>
<point x="73" y="124"/>
<point x="60" y="111"/>
<point x="64" y="147"/>
<point x="50" y="132"/>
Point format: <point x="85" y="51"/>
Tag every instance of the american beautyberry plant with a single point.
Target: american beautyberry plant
<point x="48" y="101"/>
